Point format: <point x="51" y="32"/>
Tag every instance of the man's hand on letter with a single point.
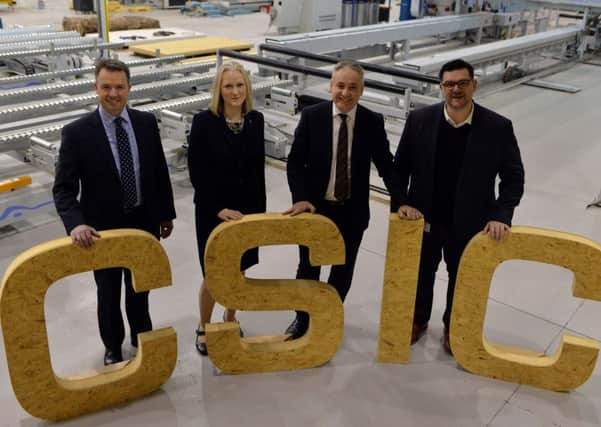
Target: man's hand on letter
<point x="409" y="212"/>
<point x="497" y="230"/>
<point x="300" y="207"/>
<point x="83" y="236"/>
<point x="229" y="215"/>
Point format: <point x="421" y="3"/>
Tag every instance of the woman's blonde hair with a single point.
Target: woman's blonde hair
<point x="216" y="104"/>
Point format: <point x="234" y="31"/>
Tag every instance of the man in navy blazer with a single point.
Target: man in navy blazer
<point x="448" y="159"/>
<point x="113" y="159"/>
<point x="329" y="169"/>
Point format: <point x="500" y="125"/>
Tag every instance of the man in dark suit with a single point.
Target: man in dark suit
<point x="328" y="172"/>
<point x="114" y="155"/>
<point x="447" y="160"/>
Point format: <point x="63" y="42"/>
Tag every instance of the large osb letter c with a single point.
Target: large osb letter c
<point x="37" y="388"/>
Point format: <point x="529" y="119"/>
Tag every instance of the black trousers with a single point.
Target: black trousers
<point x="108" y="289"/>
<point x="341" y="276"/>
<point x="439" y="242"/>
<point x="110" y="319"/>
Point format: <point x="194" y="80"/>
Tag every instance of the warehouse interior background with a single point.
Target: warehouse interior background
<point x="538" y="64"/>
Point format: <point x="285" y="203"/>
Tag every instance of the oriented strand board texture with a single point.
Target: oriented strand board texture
<point x="190" y="47"/>
<point x="89" y="24"/>
<point x="232" y="289"/>
<point x="400" y="287"/>
<point x="573" y="364"/>
<point x="37" y="388"/>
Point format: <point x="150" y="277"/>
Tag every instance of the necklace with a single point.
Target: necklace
<point x="235" y="126"/>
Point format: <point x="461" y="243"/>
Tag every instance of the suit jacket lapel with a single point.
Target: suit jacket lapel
<point x="430" y="141"/>
<point x="102" y="145"/>
<point x="358" y="128"/>
<point x="435" y="129"/>
<point x="328" y="127"/>
<point x="472" y="153"/>
<point x="476" y="132"/>
<point x="140" y="134"/>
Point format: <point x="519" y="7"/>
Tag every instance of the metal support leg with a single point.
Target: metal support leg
<point x="219" y="58"/>
<point x="406" y="48"/>
<point x="102" y="12"/>
<point x="407" y="101"/>
<point x="302" y="81"/>
<point x="393" y="51"/>
<point x="582" y="44"/>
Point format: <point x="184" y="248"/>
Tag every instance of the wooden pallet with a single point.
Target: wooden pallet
<point x="209" y="58"/>
<point x="139" y="9"/>
<point x="191" y="47"/>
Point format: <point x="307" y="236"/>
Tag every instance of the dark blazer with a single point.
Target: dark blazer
<point x="310" y="158"/>
<point x="86" y="161"/>
<point x="227" y="170"/>
<point x="491" y="150"/>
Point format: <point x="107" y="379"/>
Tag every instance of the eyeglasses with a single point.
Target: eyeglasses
<point x="461" y="84"/>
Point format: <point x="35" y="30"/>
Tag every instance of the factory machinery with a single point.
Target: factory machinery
<point x="401" y="60"/>
<point x="48" y="81"/>
<point x="514" y="43"/>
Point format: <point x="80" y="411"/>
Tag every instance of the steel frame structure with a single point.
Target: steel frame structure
<point x="495" y="52"/>
<point x="341" y="39"/>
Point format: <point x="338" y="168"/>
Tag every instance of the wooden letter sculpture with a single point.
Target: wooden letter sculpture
<point x="400" y="287"/>
<point x="232" y="289"/>
<point x="37" y="388"/>
<point x="573" y="364"/>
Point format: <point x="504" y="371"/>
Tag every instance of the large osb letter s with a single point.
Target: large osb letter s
<point x="37" y="388"/>
<point x="231" y="288"/>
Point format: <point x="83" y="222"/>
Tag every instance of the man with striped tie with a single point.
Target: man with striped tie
<point x="113" y="159"/>
<point x="328" y="172"/>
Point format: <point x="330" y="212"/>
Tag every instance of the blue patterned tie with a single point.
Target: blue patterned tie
<point x="128" y="176"/>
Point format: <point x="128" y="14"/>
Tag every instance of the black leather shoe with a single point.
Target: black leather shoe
<point x="296" y="329"/>
<point x="111" y="357"/>
<point x="201" y="347"/>
<point x="418" y="331"/>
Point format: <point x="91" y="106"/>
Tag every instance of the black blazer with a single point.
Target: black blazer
<point x="227" y="170"/>
<point x="310" y="158"/>
<point x="491" y="150"/>
<point x="85" y="161"/>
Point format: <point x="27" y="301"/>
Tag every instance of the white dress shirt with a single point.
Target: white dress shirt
<point x="467" y="121"/>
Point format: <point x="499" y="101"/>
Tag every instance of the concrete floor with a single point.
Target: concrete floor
<point x="531" y="304"/>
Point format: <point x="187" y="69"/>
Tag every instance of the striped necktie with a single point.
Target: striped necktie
<point x="341" y="185"/>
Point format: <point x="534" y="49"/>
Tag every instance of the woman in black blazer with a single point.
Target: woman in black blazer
<point x="226" y="160"/>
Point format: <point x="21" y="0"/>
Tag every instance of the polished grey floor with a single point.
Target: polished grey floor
<point x="531" y="305"/>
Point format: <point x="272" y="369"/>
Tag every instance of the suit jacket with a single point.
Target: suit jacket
<point x="86" y="162"/>
<point x="310" y="158"/>
<point x="227" y="170"/>
<point x="491" y="150"/>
